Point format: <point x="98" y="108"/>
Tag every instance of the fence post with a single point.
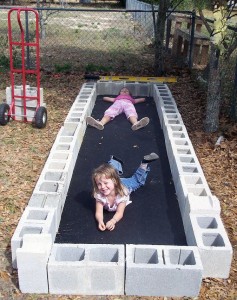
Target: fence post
<point x="190" y="60"/>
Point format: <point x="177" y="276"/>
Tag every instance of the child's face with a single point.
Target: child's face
<point x="124" y="91"/>
<point x="105" y="185"/>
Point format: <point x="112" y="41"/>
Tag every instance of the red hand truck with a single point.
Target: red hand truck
<point x="26" y="104"/>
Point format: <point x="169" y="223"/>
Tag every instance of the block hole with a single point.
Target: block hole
<point x="70" y="254"/>
<point x="49" y="187"/>
<point x="173" y="122"/>
<point x="76" y="120"/>
<point x="207" y="222"/>
<point x="190" y="169"/>
<point x="63" y="147"/>
<point x="183" y="151"/>
<point x="30" y="230"/>
<point x="54" y="176"/>
<point x="65" y="139"/>
<point x="178" y="135"/>
<point x="181" y="142"/>
<point x="37" y="215"/>
<point x="57" y="166"/>
<point x="166" y="102"/>
<point x="145" y="256"/>
<point x="172" y="116"/>
<point x="170" y="106"/>
<point x="177" y="128"/>
<point x="170" y="111"/>
<point x="76" y="115"/>
<point x="197" y="191"/>
<point x="193" y="180"/>
<point x="69" y="131"/>
<point x="213" y="240"/>
<point x="185" y="159"/>
<point x="182" y="257"/>
<point x="60" y="155"/>
<point x="104" y="254"/>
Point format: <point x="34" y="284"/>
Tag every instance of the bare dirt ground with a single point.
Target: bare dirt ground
<point x="24" y="151"/>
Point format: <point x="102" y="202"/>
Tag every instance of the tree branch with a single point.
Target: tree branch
<point x="209" y="29"/>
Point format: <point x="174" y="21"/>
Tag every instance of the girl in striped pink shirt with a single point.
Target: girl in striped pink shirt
<point x="123" y="103"/>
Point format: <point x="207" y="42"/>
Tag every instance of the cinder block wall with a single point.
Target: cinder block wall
<point x="81" y="269"/>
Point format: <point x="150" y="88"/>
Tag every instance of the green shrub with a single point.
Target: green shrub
<point x="64" y="68"/>
<point x="4" y="63"/>
<point x="95" y="68"/>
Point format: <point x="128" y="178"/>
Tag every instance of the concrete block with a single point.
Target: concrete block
<point x="185" y="166"/>
<point x="56" y="189"/>
<point x="200" y="222"/>
<point x="36" y="221"/>
<point x="171" y="119"/>
<point x="60" y="161"/>
<point x="176" y="130"/>
<point x="141" y="89"/>
<point x="86" y="269"/>
<point x="108" y="260"/>
<point x="56" y="202"/>
<point x="66" y="143"/>
<point x="19" y="104"/>
<point x="83" y="103"/>
<point x="46" y="200"/>
<point x="208" y="233"/>
<point x="181" y="165"/>
<point x="202" y="204"/>
<point x="162" y="271"/>
<point x="197" y="187"/>
<point x="109" y="87"/>
<point x="67" y="269"/>
<point x="32" y="261"/>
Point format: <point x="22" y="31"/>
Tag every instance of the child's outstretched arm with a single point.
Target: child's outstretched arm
<point x="108" y="99"/>
<point x="99" y="215"/>
<point x="139" y="100"/>
<point x="110" y="225"/>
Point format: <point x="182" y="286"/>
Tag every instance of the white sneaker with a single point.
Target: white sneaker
<point x="94" y="123"/>
<point x="140" y="124"/>
<point x="150" y="157"/>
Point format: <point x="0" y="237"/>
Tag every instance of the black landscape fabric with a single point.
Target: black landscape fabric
<point x="153" y="217"/>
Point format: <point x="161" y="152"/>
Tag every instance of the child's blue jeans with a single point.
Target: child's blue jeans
<point x="132" y="183"/>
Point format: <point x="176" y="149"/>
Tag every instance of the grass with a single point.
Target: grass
<point x="83" y="37"/>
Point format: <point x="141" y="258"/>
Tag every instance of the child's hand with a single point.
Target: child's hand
<point x="110" y="225"/>
<point x="101" y="226"/>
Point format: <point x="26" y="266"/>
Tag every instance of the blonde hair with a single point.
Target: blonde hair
<point x="110" y="173"/>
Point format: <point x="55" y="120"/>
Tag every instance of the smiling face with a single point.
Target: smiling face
<point x="106" y="181"/>
<point x="124" y="91"/>
<point x="105" y="186"/>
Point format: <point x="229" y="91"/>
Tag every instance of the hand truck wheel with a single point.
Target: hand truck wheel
<point x="40" y="119"/>
<point x="4" y="113"/>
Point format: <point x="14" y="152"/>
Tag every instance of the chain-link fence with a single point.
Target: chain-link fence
<point x="85" y="39"/>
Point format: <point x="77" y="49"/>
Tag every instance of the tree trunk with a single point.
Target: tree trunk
<point x="211" y="123"/>
<point x="159" y="37"/>
<point x="233" y="112"/>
